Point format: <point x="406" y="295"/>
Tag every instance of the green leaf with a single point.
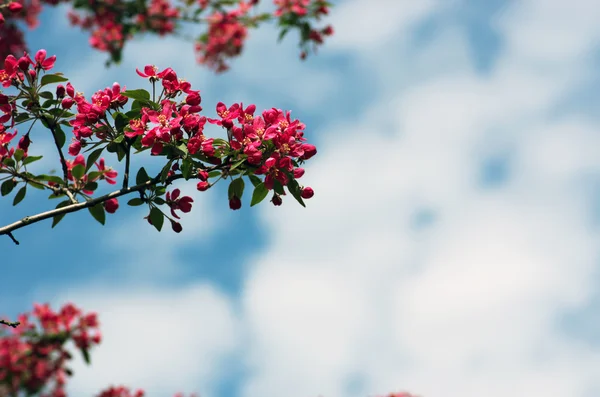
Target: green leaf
<point x="255" y="180"/>
<point x="36" y="185"/>
<point x="9" y="162"/>
<point x="21" y="117"/>
<point x="157" y="218"/>
<point x="158" y="200"/>
<point x="165" y="171"/>
<point x="278" y="187"/>
<point x="59" y="135"/>
<point x="18" y="154"/>
<point x="282" y="34"/>
<point x="51" y="178"/>
<point x="20" y="195"/>
<point x="214" y="174"/>
<point x="119" y="139"/>
<point x="78" y="171"/>
<point x="98" y="213"/>
<point x="46" y="95"/>
<point x="53" y="78"/>
<point x="134" y="202"/>
<point x="86" y="356"/>
<point x="186" y="168"/>
<point x="139" y="95"/>
<point x="141" y="177"/>
<point x="259" y="194"/>
<point x="92" y="158"/>
<point x="237" y="164"/>
<point x="120" y="122"/>
<point x="7" y="187"/>
<point x="236" y="188"/>
<point x="91" y="186"/>
<point x="31" y="159"/>
<point x="294" y="188"/>
<point x="58" y="218"/>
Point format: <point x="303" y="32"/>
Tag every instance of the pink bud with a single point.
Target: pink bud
<point x="202" y="175"/>
<point x="75" y="148"/>
<point x="307" y="193"/>
<point x="15" y="7"/>
<point x="235" y="203"/>
<point x="298" y="172"/>
<point x="67" y="102"/>
<point x="60" y="91"/>
<point x="309" y="151"/>
<point x="202" y="186"/>
<point x="111" y="205"/>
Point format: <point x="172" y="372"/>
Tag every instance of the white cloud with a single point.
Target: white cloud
<point x="348" y="291"/>
<point x="160" y="340"/>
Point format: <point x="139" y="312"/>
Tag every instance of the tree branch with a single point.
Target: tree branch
<point x="79" y="206"/>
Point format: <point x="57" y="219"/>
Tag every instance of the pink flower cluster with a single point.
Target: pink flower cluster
<point x="30" y="361"/>
<point x="225" y="38"/>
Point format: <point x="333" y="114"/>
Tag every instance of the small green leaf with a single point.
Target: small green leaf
<point x="46" y="95"/>
<point x="36" y="185"/>
<point x="92" y="158"/>
<point x="58" y="218"/>
<point x="91" y="186"/>
<point x="78" y="171"/>
<point x="18" y="154"/>
<point x="134" y="202"/>
<point x="139" y="95"/>
<point x="157" y="218"/>
<point x="98" y="213"/>
<point x="255" y="180"/>
<point x="20" y="195"/>
<point x="51" y="178"/>
<point x="31" y="159"/>
<point x="214" y="174"/>
<point x="86" y="356"/>
<point x="237" y="164"/>
<point x="7" y="187"/>
<point x="186" y="168"/>
<point x="259" y="194"/>
<point x="53" y="78"/>
<point x="59" y="135"/>
<point x="294" y="188"/>
<point x="9" y="162"/>
<point x="236" y="188"/>
<point x="165" y="171"/>
<point x="120" y="122"/>
<point x="141" y="177"/>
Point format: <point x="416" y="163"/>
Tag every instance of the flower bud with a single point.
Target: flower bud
<point x="111" y="205"/>
<point x="235" y="203"/>
<point x="15" y="7"/>
<point x="307" y="193"/>
<point x="202" y="186"/>
<point x="309" y="151"/>
<point x="67" y="102"/>
<point x="60" y="91"/>
<point x="176" y="226"/>
<point x="75" y="148"/>
<point x="203" y="175"/>
<point x="298" y="172"/>
<point x="24" y="143"/>
<point x="276" y="200"/>
<point x="23" y="63"/>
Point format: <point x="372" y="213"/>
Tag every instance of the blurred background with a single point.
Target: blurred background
<point x="451" y="248"/>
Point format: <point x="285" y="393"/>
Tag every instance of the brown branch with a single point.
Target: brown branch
<point x="28" y="220"/>
<point x="10" y="324"/>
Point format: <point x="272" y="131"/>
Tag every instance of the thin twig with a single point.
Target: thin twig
<point x="13" y="324"/>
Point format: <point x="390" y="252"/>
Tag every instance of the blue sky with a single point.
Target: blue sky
<point x="451" y="247"/>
